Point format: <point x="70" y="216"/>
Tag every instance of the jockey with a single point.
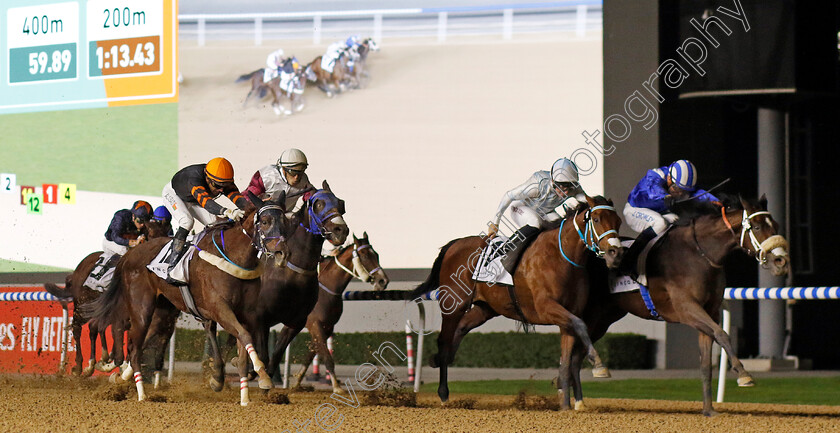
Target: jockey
<point x="189" y="196"/>
<point x="273" y="64"/>
<point x="163" y="216"/>
<point x="543" y="199"/>
<point x="125" y="224"/>
<point x="649" y="205"/>
<point x="287" y="175"/>
<point x="352" y="43"/>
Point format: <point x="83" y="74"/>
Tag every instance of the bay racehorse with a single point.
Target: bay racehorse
<point x="288" y="294"/>
<point x="218" y="295"/>
<point x="291" y="89"/>
<point x="550" y="286"/>
<point x="76" y="292"/>
<point x="358" y="260"/>
<point x="329" y="82"/>
<point x="686" y="280"/>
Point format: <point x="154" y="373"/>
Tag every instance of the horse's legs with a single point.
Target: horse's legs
<point x="695" y="316"/>
<point x="141" y="318"/>
<point x="571" y="323"/>
<point x="228" y="320"/>
<point x="574" y="374"/>
<point x="310" y="355"/>
<point x="106" y="356"/>
<point x="92" y="334"/>
<point x="445" y="353"/>
<point x="319" y="338"/>
<point x="479" y="314"/>
<point x="567" y="344"/>
<point x="284" y="338"/>
<point x="217" y="380"/>
<point x="163" y="325"/>
<point x="77" y="335"/>
<point x="706" y="373"/>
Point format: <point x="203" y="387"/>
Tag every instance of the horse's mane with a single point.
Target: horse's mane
<point x="582" y="206"/>
<point x="694" y="209"/>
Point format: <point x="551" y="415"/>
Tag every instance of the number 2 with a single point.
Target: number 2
<point x="8" y="184"/>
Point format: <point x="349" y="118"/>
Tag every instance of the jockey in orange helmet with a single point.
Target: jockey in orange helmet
<point x="189" y="196"/>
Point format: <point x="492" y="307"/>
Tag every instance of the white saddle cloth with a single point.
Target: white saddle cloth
<point x="100" y="284"/>
<point x="180" y="273"/>
<point x="489" y="268"/>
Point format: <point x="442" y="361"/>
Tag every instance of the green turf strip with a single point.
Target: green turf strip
<point x="807" y="390"/>
<point x="12" y="266"/>
<point x="129" y="150"/>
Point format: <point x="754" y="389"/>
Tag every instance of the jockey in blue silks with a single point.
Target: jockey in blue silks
<point x="649" y="205"/>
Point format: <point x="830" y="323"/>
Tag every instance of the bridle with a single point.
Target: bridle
<point x="775" y="243"/>
<point x="589" y="236"/>
<point x="359" y="271"/>
<point x="259" y="238"/>
<point x="319" y="220"/>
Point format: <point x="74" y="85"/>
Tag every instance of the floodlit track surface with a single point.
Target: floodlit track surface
<point x="68" y="404"/>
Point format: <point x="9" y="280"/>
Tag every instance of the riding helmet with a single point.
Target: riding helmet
<point x="219" y="170"/>
<point x="141" y="210"/>
<point x="683" y="174"/>
<point x="292" y="158"/>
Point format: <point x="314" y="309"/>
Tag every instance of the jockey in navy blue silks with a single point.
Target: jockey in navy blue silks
<point x="648" y="209"/>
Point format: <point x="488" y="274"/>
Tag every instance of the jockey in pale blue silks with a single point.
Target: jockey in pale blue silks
<point x="649" y="205"/>
<point x="543" y="199"/>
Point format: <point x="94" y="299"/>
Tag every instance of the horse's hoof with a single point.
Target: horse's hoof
<point x="339" y="390"/>
<point x="215" y="385"/>
<point x="105" y="367"/>
<point x="710" y="413"/>
<point x="88" y="372"/>
<point x="601" y="372"/>
<point x="746" y="381"/>
<point x="579" y="406"/>
<point x="265" y="380"/>
<point x="115" y="377"/>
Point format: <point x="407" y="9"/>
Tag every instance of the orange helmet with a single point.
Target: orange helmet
<point x="219" y="170"/>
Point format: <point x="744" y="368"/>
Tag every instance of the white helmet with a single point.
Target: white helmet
<point x="292" y="158"/>
<point x="564" y="170"/>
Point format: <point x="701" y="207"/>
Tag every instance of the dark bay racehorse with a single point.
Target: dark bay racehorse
<point x="358" y="260"/>
<point x="686" y="281"/>
<point x="218" y="295"/>
<point x="329" y="82"/>
<point x="358" y="69"/>
<point x="287" y="295"/>
<point x="255" y="79"/>
<point x="550" y="286"/>
<point x="75" y="290"/>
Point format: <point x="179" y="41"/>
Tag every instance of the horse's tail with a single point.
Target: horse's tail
<point x="433" y="280"/>
<point x="247" y="76"/>
<point x="58" y="292"/>
<point x="105" y="310"/>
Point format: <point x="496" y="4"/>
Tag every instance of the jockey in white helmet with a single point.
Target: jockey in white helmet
<point x="543" y="199"/>
<point x="273" y="63"/>
<point x="287" y="175"/>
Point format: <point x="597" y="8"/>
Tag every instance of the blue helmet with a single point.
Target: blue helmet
<point x="162" y="214"/>
<point x="352" y="40"/>
<point x="683" y="174"/>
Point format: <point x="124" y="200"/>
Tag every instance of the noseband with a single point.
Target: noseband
<point x="589" y="237"/>
<point x="317" y="221"/>
<point x="259" y="238"/>
<point x="775" y="243"/>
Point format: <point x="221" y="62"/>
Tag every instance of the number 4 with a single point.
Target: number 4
<point x="67" y="193"/>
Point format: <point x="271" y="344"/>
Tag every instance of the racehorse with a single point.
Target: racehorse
<point x="75" y="291"/>
<point x="218" y="295"/>
<point x="358" y="68"/>
<point x="686" y="280"/>
<point x="358" y="260"/>
<point x="549" y="286"/>
<point x="291" y="90"/>
<point x="289" y="294"/>
<point x="329" y="82"/>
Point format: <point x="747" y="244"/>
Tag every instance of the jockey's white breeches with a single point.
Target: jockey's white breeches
<point x="110" y="248"/>
<point x="185" y="214"/>
<point x="640" y="218"/>
<point x="521" y="214"/>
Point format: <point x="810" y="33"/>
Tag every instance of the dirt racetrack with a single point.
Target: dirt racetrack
<point x="67" y="404"/>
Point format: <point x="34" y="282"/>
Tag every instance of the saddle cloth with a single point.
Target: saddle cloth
<point x="625" y="283"/>
<point x="489" y="268"/>
<point x="328" y="60"/>
<point x="269" y="74"/>
<point x="100" y="284"/>
<point x="180" y="272"/>
<point x="288" y="84"/>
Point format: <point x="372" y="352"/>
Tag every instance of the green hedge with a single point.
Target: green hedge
<point x="496" y="349"/>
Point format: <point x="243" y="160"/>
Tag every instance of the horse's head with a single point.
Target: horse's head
<point x="759" y="236"/>
<point x="370" y="44"/>
<point x="601" y="233"/>
<point x="156" y="229"/>
<point x="269" y="227"/>
<point x="325" y="212"/>
<point x="366" y="263"/>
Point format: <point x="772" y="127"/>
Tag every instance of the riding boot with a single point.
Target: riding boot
<point x="179" y="247"/>
<point x="631" y="256"/>
<point x="517" y="243"/>
<point x="112" y="261"/>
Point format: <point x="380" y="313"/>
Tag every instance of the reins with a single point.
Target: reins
<point x="589" y="236"/>
<point x="359" y="271"/>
